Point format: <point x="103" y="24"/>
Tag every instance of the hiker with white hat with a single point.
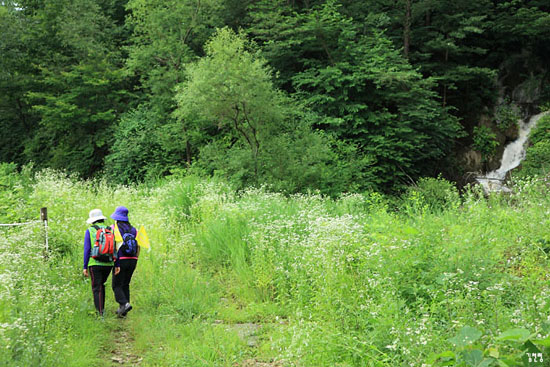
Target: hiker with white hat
<point x="99" y="256"/>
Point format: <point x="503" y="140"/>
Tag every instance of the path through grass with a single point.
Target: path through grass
<point x="122" y="351"/>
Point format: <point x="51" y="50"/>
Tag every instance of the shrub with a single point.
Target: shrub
<point x="541" y="132"/>
<point x="144" y="148"/>
<point x="537" y="159"/>
<point x="434" y="194"/>
<point x="485" y="141"/>
<point x="507" y="115"/>
<point x="14" y="189"/>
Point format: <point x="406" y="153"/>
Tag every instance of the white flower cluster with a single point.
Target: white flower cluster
<point x="34" y="300"/>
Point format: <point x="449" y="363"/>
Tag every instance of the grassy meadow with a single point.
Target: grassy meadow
<point x="261" y="279"/>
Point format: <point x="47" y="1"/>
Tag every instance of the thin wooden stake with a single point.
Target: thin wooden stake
<point x="44" y="218"/>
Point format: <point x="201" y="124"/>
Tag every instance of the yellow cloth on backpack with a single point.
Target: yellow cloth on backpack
<point x="142" y="238"/>
<point x="118" y="236"/>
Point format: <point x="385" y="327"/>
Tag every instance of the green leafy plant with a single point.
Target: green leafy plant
<point x="435" y="194"/>
<point x="537" y="157"/>
<point x="485" y="141"/>
<point x="507" y="115"/>
<point x="513" y="347"/>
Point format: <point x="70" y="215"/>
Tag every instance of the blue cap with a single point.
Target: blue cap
<point x="121" y="214"/>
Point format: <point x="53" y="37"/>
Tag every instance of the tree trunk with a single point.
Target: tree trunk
<point x="407" y="28"/>
<point x="428" y="21"/>
<point x="445" y="85"/>
<point x="188" y="153"/>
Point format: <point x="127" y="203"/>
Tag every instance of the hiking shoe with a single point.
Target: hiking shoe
<point x="120" y="311"/>
<point x="124" y="309"/>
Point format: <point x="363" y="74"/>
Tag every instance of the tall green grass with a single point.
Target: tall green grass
<point x="359" y="281"/>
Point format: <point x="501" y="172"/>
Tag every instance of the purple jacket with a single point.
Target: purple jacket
<point x="87" y="248"/>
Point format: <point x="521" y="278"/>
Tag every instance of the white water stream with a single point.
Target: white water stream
<point x="513" y="154"/>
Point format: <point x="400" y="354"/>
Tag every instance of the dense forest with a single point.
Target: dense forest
<point x="295" y="95"/>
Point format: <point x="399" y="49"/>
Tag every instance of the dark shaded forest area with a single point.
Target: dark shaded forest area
<point x="296" y="95"/>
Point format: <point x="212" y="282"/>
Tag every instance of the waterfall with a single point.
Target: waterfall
<point x="513" y="154"/>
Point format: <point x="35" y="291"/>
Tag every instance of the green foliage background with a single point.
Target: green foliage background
<point x="357" y="96"/>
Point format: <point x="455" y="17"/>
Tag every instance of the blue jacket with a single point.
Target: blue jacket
<point x="120" y="254"/>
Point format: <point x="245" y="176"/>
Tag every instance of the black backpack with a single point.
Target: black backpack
<point x="129" y="245"/>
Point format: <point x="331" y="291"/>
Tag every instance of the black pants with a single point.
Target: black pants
<point x="99" y="275"/>
<point x="121" y="282"/>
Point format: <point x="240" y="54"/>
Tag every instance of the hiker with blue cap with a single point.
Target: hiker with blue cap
<point x="99" y="254"/>
<point x="126" y="261"/>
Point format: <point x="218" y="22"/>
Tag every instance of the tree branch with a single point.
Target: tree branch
<point x="252" y="128"/>
<point x="239" y="129"/>
<point x="193" y="18"/>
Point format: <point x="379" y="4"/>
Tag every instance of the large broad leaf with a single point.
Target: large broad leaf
<point x="486" y="362"/>
<point x="518" y="335"/>
<point x="544" y="342"/>
<point x="466" y="336"/>
<point x="473" y="357"/>
<point x="507" y="362"/>
<point x="410" y="230"/>
<point x="446" y="358"/>
<point x="494" y="352"/>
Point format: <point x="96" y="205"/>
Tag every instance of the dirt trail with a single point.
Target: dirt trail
<point x="122" y="353"/>
<point x="249" y="332"/>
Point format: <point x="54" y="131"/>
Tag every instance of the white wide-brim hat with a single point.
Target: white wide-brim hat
<point x="95" y="215"/>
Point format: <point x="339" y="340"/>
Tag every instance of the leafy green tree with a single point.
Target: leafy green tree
<point x="519" y="36"/>
<point x="367" y="95"/>
<point x="78" y="112"/>
<point x="80" y="87"/>
<point x="448" y="45"/>
<point x="232" y="87"/>
<point x="258" y="134"/>
<point x="383" y="81"/>
<point x="522" y="21"/>
<point x="16" y="77"/>
<point x="166" y="35"/>
<point x="272" y="26"/>
<point x="142" y="149"/>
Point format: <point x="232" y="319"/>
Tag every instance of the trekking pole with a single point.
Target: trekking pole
<point x="44" y="218"/>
